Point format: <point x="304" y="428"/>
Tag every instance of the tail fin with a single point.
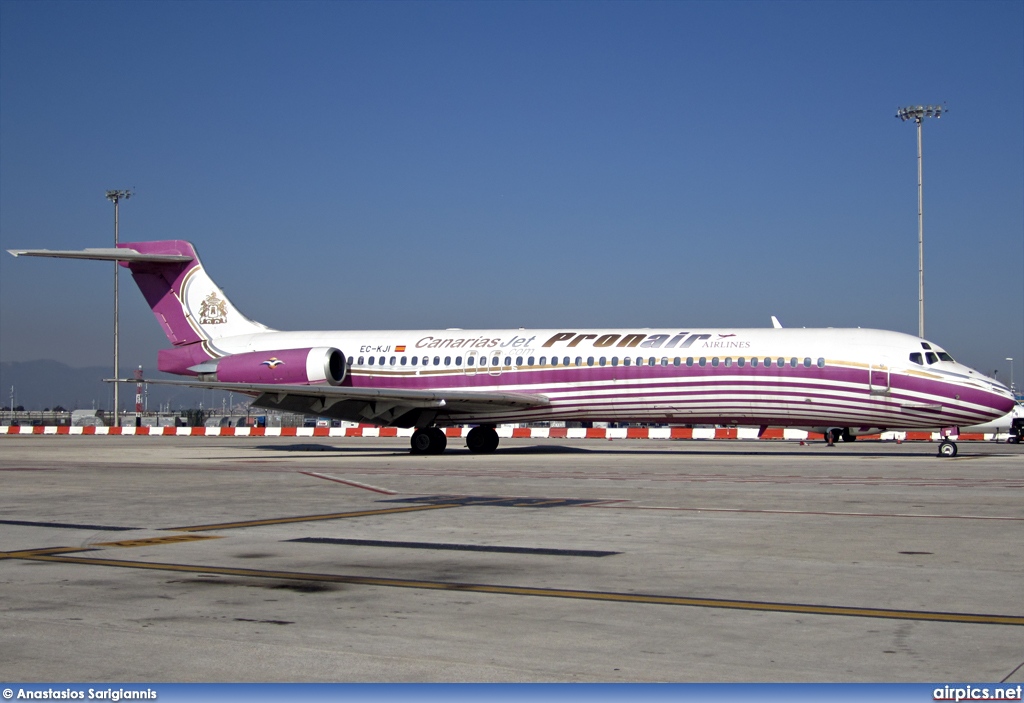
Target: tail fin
<point x="185" y="300"/>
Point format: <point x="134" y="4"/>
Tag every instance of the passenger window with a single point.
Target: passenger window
<point x="380" y="361"/>
<point x="414" y="360"/>
<point x="590" y="361"/>
<point x="529" y="362"/>
<point x="519" y="361"/>
<point x="793" y="362"/>
<point x="767" y="361"/>
<point x="931" y="357"/>
<point x="370" y="361"/>
<point x="639" y="361"/>
<point x="651" y="361"/>
<point x="821" y="362"/>
<point x="554" y="361"/>
<point x="753" y="361"/>
<point x="494" y="361"/>
<point x="689" y="361"/>
<point x="780" y="362"/>
<point x="664" y="361"/>
<point x="602" y="361"/>
<point x="458" y="360"/>
<point x="741" y="361"/>
<point x="677" y="361"/>
<point x="565" y="361"/>
<point x="728" y="361"/>
<point x="393" y="361"/>
<point x="615" y="361"/>
<point x="543" y="361"/>
<point x="508" y="360"/>
<point x="703" y="361"/>
<point x="714" y="361"/>
<point x="626" y="361"/>
<point x="579" y="361"/>
<point x="807" y="362"/>
<point x="360" y="361"/>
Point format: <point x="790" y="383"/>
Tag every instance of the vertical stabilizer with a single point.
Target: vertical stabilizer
<point x="186" y="302"/>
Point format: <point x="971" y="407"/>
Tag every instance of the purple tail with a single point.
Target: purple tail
<point x="193" y="312"/>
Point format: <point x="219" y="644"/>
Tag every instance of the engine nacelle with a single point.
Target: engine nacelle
<point x="315" y="365"/>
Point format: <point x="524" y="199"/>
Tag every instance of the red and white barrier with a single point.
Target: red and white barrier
<point x="609" y="433"/>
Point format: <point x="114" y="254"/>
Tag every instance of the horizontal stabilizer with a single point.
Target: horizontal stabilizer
<point x="129" y="255"/>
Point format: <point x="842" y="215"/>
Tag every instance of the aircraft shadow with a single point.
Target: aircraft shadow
<point x="541" y="449"/>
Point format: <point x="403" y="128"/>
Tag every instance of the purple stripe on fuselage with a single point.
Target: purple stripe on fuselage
<point x="647" y="386"/>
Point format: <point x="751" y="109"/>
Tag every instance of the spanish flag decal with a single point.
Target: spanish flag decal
<point x="400" y="348"/>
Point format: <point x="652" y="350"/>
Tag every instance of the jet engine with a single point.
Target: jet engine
<point x="312" y="366"/>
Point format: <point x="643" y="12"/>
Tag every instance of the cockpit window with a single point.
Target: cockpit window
<point x="931" y="357"/>
<point x="926" y="345"/>
<point x="945" y="357"/>
<point x="916" y="358"/>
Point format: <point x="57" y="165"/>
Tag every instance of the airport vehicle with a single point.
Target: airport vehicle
<point x="853" y="381"/>
<point x="1010" y="424"/>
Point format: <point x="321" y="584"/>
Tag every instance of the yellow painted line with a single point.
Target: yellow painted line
<point x="27" y="553"/>
<point x="308" y="518"/>
<point x="174" y="539"/>
<point x="550" y="592"/>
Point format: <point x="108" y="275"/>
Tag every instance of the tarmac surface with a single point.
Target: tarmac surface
<point x="178" y="559"/>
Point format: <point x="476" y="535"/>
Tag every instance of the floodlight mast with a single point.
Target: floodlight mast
<point x="918" y="114"/>
<point x="116" y="196"/>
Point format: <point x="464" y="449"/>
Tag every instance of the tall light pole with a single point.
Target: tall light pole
<point x="1012" y="389"/>
<point x="918" y="114"/>
<point x="116" y="196"/>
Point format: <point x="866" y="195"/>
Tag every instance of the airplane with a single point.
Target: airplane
<point x="840" y="382"/>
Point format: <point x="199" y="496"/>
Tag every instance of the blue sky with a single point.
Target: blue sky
<point x="352" y="165"/>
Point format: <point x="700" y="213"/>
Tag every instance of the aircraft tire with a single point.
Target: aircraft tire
<point x="847" y="436"/>
<point x="421" y="442"/>
<point x="439" y="440"/>
<point x="482" y="440"/>
<point x="947" y="448"/>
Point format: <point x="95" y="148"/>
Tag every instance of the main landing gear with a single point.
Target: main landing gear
<point x="430" y="440"/>
<point x="482" y="439"/>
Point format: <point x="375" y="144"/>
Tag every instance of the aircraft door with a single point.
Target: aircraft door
<point x="878" y="382"/>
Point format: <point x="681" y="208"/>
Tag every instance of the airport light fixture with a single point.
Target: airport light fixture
<point x="116" y="196"/>
<point x="917" y="114"/>
<point x="1012" y="389"/>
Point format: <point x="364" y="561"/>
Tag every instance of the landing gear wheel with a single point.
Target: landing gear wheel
<point x="947" y="448"/>
<point x="440" y="440"/>
<point x="482" y="439"/>
<point x="847" y="437"/>
<point x="431" y="440"/>
<point x="835" y="433"/>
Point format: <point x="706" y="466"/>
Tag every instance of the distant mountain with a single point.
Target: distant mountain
<point x="45" y="384"/>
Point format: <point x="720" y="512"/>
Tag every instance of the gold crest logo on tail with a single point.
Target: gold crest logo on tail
<point x="213" y="310"/>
